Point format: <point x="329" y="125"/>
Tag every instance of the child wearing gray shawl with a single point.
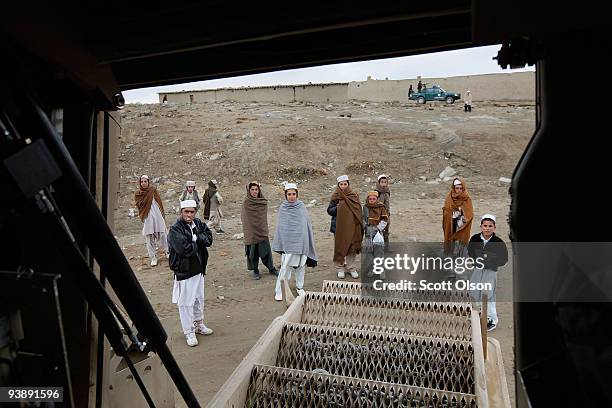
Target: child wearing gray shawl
<point x="294" y="240"/>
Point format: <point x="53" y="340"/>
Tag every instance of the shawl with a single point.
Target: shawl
<point x="144" y="199"/>
<point x="384" y="195"/>
<point x="376" y="212"/>
<point x="293" y="233"/>
<point x="349" y="226"/>
<point x="454" y="201"/>
<point x="254" y="216"/>
<point x="208" y="195"/>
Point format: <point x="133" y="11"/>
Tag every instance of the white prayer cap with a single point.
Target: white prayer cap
<point x="382" y="176"/>
<point x="215" y="182"/>
<point x="343" y="177"/>
<point x="457" y="182"/>
<point x="468" y="91"/>
<point x="488" y="217"/>
<point x="190" y="183"/>
<point x="289" y="186"/>
<point x="144" y="176"/>
<point x="188" y="204"/>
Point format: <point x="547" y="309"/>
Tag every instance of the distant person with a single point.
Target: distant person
<point x="190" y="193"/>
<point x="188" y="239"/>
<point x="294" y="240"/>
<point x="410" y="91"/>
<point x="375" y="219"/>
<point x="212" y="203"/>
<point x="467" y="107"/>
<point x="493" y="253"/>
<point x="457" y="216"/>
<point x="384" y="196"/>
<point x="151" y="213"/>
<point x="345" y="209"/>
<point x="419" y="86"/>
<point x="254" y="216"/>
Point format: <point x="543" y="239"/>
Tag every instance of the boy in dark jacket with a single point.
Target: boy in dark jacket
<point x="492" y="252"/>
<point x="187" y="241"/>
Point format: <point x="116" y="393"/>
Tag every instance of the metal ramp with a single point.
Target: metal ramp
<point x="345" y="347"/>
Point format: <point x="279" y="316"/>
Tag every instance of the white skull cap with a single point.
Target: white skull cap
<point x="343" y="177"/>
<point x="289" y="186"/>
<point x="488" y="217"/>
<point x="382" y="176"/>
<point x="457" y="182"/>
<point x="188" y="204"/>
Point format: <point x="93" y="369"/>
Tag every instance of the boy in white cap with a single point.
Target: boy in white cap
<point x="384" y="196"/>
<point x="294" y="240"/>
<point x="493" y="253"/>
<point x="347" y="226"/>
<point x="190" y="193"/>
<point x="151" y="213"/>
<point x="188" y="240"/>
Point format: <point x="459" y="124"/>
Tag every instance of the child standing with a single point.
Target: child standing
<point x="493" y="253"/>
<point x="384" y="196"/>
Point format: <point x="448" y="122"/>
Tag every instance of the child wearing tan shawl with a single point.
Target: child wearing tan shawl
<point x="254" y="217"/>
<point x="349" y="228"/>
<point x="457" y="216"/>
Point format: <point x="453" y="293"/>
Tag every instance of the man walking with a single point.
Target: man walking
<point x="188" y="240"/>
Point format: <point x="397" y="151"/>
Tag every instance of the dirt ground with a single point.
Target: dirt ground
<point x="311" y="145"/>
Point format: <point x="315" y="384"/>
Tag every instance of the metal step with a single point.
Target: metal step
<point x="428" y="362"/>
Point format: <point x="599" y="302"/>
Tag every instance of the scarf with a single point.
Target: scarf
<point x="453" y="202"/>
<point x="293" y="234"/>
<point x="208" y="195"/>
<point x="254" y="216"/>
<point x="144" y="199"/>
<point x="376" y="212"/>
<point x="349" y="227"/>
<point x="383" y="195"/>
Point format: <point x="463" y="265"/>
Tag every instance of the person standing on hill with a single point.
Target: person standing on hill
<point x="212" y="203"/>
<point x="151" y="213"/>
<point x="190" y="193"/>
<point x="254" y="216"/>
<point x="347" y="225"/>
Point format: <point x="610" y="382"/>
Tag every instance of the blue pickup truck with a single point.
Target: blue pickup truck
<point x="434" y="93"/>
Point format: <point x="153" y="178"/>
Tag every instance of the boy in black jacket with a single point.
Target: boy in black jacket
<point x="493" y="253"/>
<point x="188" y="240"/>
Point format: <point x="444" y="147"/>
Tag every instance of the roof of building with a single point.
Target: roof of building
<point x="253" y="87"/>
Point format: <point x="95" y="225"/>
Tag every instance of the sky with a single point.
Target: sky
<point x="469" y="61"/>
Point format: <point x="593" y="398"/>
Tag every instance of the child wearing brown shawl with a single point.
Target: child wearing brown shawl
<point x="384" y="196"/>
<point x="346" y="207"/>
<point x="254" y="217"/>
<point x="151" y="213"/>
<point x="375" y="219"/>
<point x="457" y="216"/>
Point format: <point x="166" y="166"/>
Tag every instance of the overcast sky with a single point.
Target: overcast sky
<point x="471" y="61"/>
